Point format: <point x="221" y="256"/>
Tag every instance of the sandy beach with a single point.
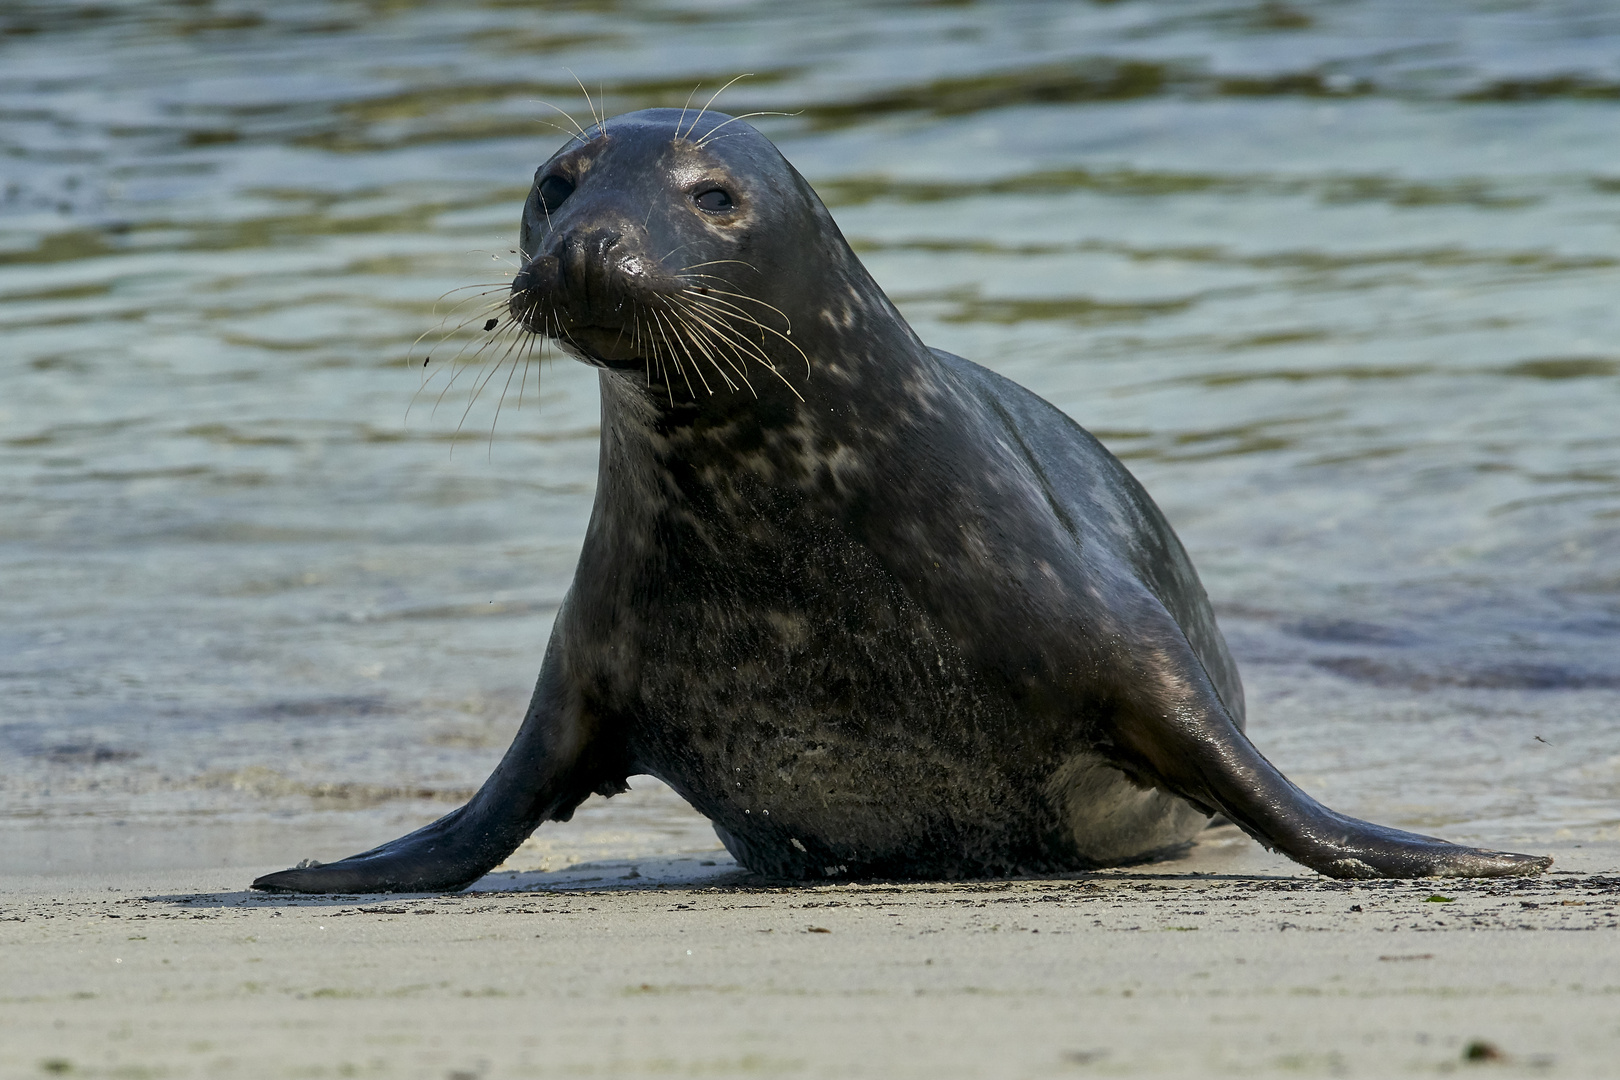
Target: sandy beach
<point x="1228" y="961"/>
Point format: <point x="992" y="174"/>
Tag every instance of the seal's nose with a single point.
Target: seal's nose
<point x="586" y="259"/>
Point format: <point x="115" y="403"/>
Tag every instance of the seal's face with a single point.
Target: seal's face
<point x="662" y="243"/>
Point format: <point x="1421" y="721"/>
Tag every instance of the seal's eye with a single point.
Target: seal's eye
<point x="714" y="200"/>
<point x="553" y="190"/>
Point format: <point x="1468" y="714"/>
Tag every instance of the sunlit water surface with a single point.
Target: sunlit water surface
<point x="1338" y="281"/>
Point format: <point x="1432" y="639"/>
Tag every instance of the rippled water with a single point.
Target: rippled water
<point x="1339" y="281"/>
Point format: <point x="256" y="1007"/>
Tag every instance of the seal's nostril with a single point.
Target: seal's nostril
<point x="524" y="280"/>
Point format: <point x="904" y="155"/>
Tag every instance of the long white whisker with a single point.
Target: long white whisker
<point x="674" y="357"/>
<point x="580" y="131"/>
<point x="709" y="135"/>
<point x="685" y="108"/>
<point x="687" y="346"/>
<point x="704" y="330"/>
<point x="484" y="313"/>
<point x="731" y="336"/>
<point x="717" y="262"/>
<point x="701" y="299"/>
<point x="753" y="300"/>
<point x="680" y="344"/>
<point x="589" y="104"/>
<point x="705" y="108"/>
<point x="461" y="353"/>
<point x="494" y="368"/>
<point x="502" y="401"/>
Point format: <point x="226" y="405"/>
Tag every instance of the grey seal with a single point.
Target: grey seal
<point x="872" y="609"/>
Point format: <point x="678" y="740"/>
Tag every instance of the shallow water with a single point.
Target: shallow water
<point x="1338" y="281"/>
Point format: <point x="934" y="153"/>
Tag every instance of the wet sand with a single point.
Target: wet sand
<point x="1227" y="961"/>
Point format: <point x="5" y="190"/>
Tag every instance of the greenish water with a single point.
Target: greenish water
<point x="1338" y="280"/>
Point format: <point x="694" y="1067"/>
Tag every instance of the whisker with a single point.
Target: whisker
<point x="664" y="331"/>
<point x="728" y="135"/>
<point x="466" y="322"/>
<point x="705" y="108"/>
<point x="490" y="453"/>
<point x="731" y="336"/>
<point x="554" y="127"/>
<point x="528" y="354"/>
<point x="674" y="356"/>
<point x="721" y="306"/>
<point x="494" y="368"/>
<point x="737" y="356"/>
<point x="456" y="370"/>
<point x="720" y="316"/>
<point x="697" y="280"/>
<point x="489" y="285"/>
<point x="709" y="344"/>
<point x="753" y="300"/>
<point x="694" y="352"/>
<point x="589" y="104"/>
<point x="716" y="262"/>
<point x="708" y="136"/>
<point x="566" y="116"/>
<point x="713" y="336"/>
<point x="685" y="108"/>
<point x="663" y="369"/>
<point x="483" y="313"/>
<point x="498" y="256"/>
<point x="711" y="303"/>
<point x="674" y="249"/>
<point x="455" y="373"/>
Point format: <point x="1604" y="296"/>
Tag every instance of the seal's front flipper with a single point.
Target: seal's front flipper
<point x="1176" y="728"/>
<point x="449" y="854"/>
<point x="543" y="776"/>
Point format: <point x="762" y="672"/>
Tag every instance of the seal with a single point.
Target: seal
<point x="872" y="609"/>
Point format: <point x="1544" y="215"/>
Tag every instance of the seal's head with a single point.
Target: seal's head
<point x="680" y="246"/>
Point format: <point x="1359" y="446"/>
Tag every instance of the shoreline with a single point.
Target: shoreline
<point x="1228" y="960"/>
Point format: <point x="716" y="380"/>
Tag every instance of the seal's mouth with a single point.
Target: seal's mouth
<point x="608" y="343"/>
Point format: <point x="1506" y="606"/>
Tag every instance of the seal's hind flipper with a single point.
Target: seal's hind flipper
<point x="543" y="776"/>
<point x="1344" y="847"/>
<point x="1174" y="727"/>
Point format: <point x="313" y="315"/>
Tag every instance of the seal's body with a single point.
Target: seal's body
<point x="816" y="662"/>
<point x="872" y="609"/>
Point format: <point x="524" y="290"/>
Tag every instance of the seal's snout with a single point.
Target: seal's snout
<point x="591" y="287"/>
<point x="601" y="269"/>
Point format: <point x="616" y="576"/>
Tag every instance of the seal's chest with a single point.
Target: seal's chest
<point x="821" y="684"/>
<point x="811" y="657"/>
